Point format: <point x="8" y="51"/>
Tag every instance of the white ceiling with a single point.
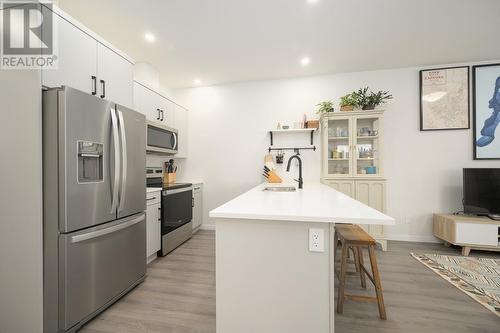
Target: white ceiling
<point x="220" y="41"/>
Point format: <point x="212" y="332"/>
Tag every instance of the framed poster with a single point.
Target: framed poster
<point x="486" y="114"/>
<point x="444" y="99"/>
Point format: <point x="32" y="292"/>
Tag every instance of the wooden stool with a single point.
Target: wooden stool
<point x="354" y="237"/>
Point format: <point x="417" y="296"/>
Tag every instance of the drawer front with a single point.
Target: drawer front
<point x="153" y="198"/>
<point x="477" y="234"/>
<point x="197" y="188"/>
<point x="99" y="263"/>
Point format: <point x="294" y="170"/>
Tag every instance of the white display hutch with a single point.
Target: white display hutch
<point x="352" y="159"/>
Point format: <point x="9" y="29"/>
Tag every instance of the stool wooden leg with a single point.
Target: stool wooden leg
<point x="356" y="258"/>
<point x="376" y="280"/>
<point x="359" y="250"/>
<point x="343" y="269"/>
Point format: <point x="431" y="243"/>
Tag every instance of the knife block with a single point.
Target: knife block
<point x="169" y="178"/>
<point x="273" y="178"/>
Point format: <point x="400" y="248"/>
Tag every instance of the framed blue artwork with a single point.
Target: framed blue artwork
<point x="486" y="112"/>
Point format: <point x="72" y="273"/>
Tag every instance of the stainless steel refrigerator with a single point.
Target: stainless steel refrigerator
<point x="94" y="157"/>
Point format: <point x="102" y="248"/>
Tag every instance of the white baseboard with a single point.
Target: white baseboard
<point x="207" y="227"/>
<point x="413" y="238"/>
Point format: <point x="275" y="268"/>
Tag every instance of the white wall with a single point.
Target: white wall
<point x="21" y="281"/>
<point x="228" y="140"/>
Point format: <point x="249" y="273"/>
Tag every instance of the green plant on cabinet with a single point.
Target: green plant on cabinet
<point x="325" y="107"/>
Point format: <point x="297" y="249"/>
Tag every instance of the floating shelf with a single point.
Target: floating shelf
<point x="295" y="149"/>
<point x="338" y="159"/>
<point x="294" y="130"/>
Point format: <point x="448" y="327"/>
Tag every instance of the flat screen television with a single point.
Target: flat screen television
<point x="481" y="191"/>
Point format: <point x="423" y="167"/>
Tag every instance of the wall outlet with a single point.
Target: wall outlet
<point x="316" y="240"/>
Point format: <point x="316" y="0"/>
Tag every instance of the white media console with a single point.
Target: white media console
<point x="470" y="232"/>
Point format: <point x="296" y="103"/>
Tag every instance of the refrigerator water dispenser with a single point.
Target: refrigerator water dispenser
<point x="90" y="156"/>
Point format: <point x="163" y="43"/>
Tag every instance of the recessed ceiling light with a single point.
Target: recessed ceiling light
<point x="197" y="81"/>
<point x="305" y="61"/>
<point x="312" y="1"/>
<point x="149" y="37"/>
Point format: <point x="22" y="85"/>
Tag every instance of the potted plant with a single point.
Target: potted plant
<point x="370" y="100"/>
<point x="348" y="102"/>
<point x="325" y="107"/>
<point x="375" y="99"/>
<point x="360" y="96"/>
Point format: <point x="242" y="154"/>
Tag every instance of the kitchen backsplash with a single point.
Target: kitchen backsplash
<point x="153" y="160"/>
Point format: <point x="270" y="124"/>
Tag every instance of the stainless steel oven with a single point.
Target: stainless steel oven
<point x="161" y="139"/>
<point x="176" y="216"/>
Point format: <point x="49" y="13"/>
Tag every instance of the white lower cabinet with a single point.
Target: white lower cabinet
<point x="370" y="192"/>
<point x="153" y="224"/>
<point x="344" y="186"/>
<point x="197" y="205"/>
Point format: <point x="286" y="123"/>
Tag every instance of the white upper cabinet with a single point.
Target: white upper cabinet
<point x="76" y="65"/>
<point x="162" y="111"/>
<point x="86" y="64"/>
<point x="181" y="119"/>
<point x="115" y="77"/>
<point x="148" y="103"/>
<point x="168" y="116"/>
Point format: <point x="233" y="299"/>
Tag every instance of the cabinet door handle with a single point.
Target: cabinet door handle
<point x="192" y="202"/>
<point x="103" y="88"/>
<point x="159" y="214"/>
<point x="94" y="85"/>
<point x="149" y="199"/>
<point x="158" y="118"/>
<point x="161" y="115"/>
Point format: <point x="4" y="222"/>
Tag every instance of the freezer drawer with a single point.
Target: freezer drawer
<point x="100" y="264"/>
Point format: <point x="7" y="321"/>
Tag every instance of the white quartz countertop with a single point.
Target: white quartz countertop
<point x="316" y="202"/>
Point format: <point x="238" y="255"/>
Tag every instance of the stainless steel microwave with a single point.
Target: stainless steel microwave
<point x="161" y="139"/>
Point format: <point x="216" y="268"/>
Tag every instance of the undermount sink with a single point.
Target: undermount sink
<point x="280" y="189"/>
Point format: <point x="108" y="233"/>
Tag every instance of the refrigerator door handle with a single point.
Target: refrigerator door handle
<point x="102" y="232"/>
<point x="124" y="160"/>
<point x="116" y="141"/>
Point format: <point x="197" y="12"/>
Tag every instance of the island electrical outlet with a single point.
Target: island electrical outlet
<point x="316" y="240"/>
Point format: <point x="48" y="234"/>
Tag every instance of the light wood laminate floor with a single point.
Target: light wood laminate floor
<point x="178" y="296"/>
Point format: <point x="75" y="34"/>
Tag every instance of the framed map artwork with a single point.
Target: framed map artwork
<point x="444" y="99"/>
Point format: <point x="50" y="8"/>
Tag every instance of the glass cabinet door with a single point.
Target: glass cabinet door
<point x="338" y="161"/>
<point x="366" y="159"/>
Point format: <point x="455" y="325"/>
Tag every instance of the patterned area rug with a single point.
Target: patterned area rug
<point x="477" y="277"/>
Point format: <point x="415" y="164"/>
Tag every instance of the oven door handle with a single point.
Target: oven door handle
<point x="179" y="190"/>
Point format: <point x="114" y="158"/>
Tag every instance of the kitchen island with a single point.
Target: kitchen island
<point x="270" y="277"/>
